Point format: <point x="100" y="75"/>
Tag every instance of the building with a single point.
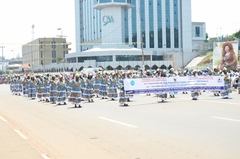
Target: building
<point x="14" y="65"/>
<point x="127" y="34"/>
<point x="163" y="28"/>
<point x="198" y="36"/>
<point x="44" y="51"/>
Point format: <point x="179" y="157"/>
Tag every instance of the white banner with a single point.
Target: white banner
<point x="173" y="84"/>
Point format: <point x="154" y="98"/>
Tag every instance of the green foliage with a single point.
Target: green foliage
<point x="59" y="60"/>
<point x="207" y="60"/>
<point x="4" y="72"/>
<point x="237" y="34"/>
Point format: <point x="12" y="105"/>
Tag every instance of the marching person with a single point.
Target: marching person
<point x="103" y="86"/>
<point x="46" y="90"/>
<point x="122" y="95"/>
<point x="96" y="84"/>
<point x="76" y="93"/>
<point x="32" y="88"/>
<point x="88" y="94"/>
<point x="82" y="84"/>
<point x="39" y="86"/>
<point x="163" y="95"/>
<point x="112" y="89"/>
<point x="172" y="74"/>
<point x="215" y="72"/>
<point x="225" y="94"/>
<point x="53" y="90"/>
<point x="238" y="82"/>
<point x="194" y="92"/>
<point x="61" y="91"/>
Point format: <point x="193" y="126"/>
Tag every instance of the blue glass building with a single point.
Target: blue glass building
<point x="163" y="27"/>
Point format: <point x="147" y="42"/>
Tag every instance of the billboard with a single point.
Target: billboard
<point x="225" y="54"/>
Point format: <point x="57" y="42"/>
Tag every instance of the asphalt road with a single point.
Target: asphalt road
<point x="179" y="128"/>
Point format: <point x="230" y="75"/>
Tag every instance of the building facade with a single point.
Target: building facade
<point x="198" y="36"/>
<point x="44" y="51"/>
<point x="161" y="26"/>
<point x="128" y="34"/>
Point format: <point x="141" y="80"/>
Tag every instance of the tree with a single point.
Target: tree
<point x="59" y="60"/>
<point x="237" y="34"/>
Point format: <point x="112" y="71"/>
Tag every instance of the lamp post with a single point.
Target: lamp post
<point x="61" y="32"/>
<point x="141" y="37"/>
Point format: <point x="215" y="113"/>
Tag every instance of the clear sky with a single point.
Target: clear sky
<point x="18" y="16"/>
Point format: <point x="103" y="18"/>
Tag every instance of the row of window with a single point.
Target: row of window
<point x="54" y="55"/>
<point x="108" y="1"/>
<point x="122" y="58"/>
<point x="131" y="17"/>
<point x="53" y="43"/>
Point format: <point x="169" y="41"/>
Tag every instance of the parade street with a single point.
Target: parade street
<point x="179" y="128"/>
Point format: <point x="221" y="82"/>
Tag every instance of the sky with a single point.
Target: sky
<point x="18" y="17"/>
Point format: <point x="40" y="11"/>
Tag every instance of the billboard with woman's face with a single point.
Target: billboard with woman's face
<point x="225" y="55"/>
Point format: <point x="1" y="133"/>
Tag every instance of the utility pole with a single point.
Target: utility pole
<point x="2" y="55"/>
<point x="141" y="37"/>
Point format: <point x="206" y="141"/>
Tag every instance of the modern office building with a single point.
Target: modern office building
<point x="162" y="28"/>
<point x="45" y="51"/>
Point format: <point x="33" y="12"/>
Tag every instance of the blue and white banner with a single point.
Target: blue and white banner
<point x="173" y="84"/>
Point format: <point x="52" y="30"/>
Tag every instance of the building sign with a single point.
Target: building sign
<point x="107" y="19"/>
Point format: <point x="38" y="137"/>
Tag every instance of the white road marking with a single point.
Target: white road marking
<point x="45" y="156"/>
<point x="225" y="118"/>
<point x="118" y="122"/>
<point x="3" y="119"/>
<point x="204" y="100"/>
<point x="20" y="134"/>
<point x="219" y="102"/>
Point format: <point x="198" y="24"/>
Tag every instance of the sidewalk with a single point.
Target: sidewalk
<point x="12" y="146"/>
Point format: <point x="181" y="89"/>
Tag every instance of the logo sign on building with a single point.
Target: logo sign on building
<point x="107" y="19"/>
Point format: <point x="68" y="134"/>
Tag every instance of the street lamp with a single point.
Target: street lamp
<point x="61" y="32"/>
<point x="141" y="38"/>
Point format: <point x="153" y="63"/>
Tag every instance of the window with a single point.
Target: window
<point x="176" y="37"/>
<point x="41" y="54"/>
<point x="159" y="17"/>
<point x="142" y="7"/>
<point x="104" y="1"/>
<point x="168" y="31"/>
<point x="197" y="31"/>
<point x="53" y="44"/>
<point x="120" y="1"/>
<point x="157" y="57"/>
<point x="126" y="25"/>
<point x="151" y="26"/>
<point x="132" y="58"/>
<point x="134" y="24"/>
<point x="97" y="58"/>
<point x="53" y="54"/>
<point x="53" y="61"/>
